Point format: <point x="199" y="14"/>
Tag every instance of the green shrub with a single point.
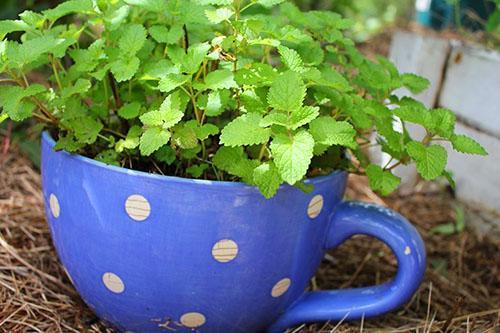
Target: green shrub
<point x="217" y="89"/>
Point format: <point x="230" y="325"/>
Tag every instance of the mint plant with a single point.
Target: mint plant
<point x="254" y="91"/>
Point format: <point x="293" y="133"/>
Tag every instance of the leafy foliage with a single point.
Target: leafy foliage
<point x="256" y="91"/>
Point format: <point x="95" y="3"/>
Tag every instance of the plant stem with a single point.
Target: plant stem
<point x="56" y="73"/>
<point x="263" y="151"/>
<point x="114" y="89"/>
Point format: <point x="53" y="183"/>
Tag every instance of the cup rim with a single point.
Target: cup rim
<point x="48" y="140"/>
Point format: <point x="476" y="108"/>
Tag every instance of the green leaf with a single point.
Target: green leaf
<point x="185" y="137"/>
<point x="172" y="81"/>
<point x="416" y="84"/>
<point x="219" y="15"/>
<point x="152" y="139"/>
<point x="81" y="86"/>
<point x="382" y="181"/>
<point x="159" y="33"/>
<point x="267" y="178"/>
<point x="195" y="55"/>
<point x="220" y="79"/>
<point x="332" y="79"/>
<point x="287" y="93"/>
<point x="158" y="6"/>
<point x="291" y="59"/>
<point x="431" y="160"/>
<point x="19" y="55"/>
<point x="169" y="114"/>
<point x="11" y="99"/>
<point x="125" y="68"/>
<point x="214" y="105"/>
<point x="166" y="154"/>
<point x="465" y="144"/>
<point x="8" y="26"/>
<point x="292" y="155"/>
<point x="303" y="116"/>
<point x="197" y="170"/>
<point x="132" y="39"/>
<point x="131" y="141"/>
<point x="234" y="161"/>
<point x="328" y="131"/>
<point x="69" y="7"/>
<point x="270" y="3"/>
<point x="109" y="157"/>
<point x="130" y="110"/>
<point x="244" y="131"/>
<point x="442" y="122"/>
<point x="86" y="129"/>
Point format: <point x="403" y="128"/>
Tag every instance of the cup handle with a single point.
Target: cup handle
<point x="352" y="218"/>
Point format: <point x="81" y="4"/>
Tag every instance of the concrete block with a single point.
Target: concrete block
<point x="472" y="87"/>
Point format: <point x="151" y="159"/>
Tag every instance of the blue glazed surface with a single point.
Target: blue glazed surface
<point x="148" y="252"/>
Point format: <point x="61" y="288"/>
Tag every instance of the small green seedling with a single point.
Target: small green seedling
<point x="254" y="91"/>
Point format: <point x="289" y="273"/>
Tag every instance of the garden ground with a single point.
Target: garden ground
<point x="460" y="292"/>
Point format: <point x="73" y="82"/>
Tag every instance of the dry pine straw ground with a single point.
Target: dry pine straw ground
<point x="460" y="292"/>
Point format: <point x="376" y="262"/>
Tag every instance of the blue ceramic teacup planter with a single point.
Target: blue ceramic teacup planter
<point x="149" y="252"/>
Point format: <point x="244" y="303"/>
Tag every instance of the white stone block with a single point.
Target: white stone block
<point x="472" y="87"/>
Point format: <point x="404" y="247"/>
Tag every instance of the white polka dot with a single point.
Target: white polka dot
<point x="407" y="250"/>
<point x="137" y="207"/>
<point x="315" y="206"/>
<point x="225" y="250"/>
<point x="193" y="319"/>
<point x="113" y="282"/>
<point x="54" y="206"/>
<point x="281" y="287"/>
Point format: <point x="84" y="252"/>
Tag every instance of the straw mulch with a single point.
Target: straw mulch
<point x="460" y="293"/>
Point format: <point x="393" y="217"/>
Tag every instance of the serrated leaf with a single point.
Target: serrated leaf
<point x="291" y="59"/>
<point x="172" y="81"/>
<point x="303" y="116"/>
<point x="464" y="144"/>
<point x="159" y="33"/>
<point x="19" y="55"/>
<point x="185" y="137"/>
<point x="287" y="93"/>
<point x="81" y="86"/>
<point x="11" y="99"/>
<point x="195" y="55"/>
<point x="292" y="155"/>
<point x="270" y="3"/>
<point x="69" y="7"/>
<point x="382" y="181"/>
<point x="197" y="170"/>
<point x="131" y="141"/>
<point x="219" y="15"/>
<point x="328" y="131"/>
<point x="152" y="139"/>
<point x="85" y="129"/>
<point x="431" y="160"/>
<point x="166" y="154"/>
<point x="442" y="122"/>
<point x="219" y="79"/>
<point x="234" y="161"/>
<point x="132" y="39"/>
<point x="416" y="84"/>
<point x="169" y="114"/>
<point x="214" y="104"/>
<point x="130" y="110"/>
<point x="124" y="69"/>
<point x="267" y="178"/>
<point x="244" y="131"/>
<point x="8" y="26"/>
<point x="274" y="118"/>
<point x="158" y="6"/>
